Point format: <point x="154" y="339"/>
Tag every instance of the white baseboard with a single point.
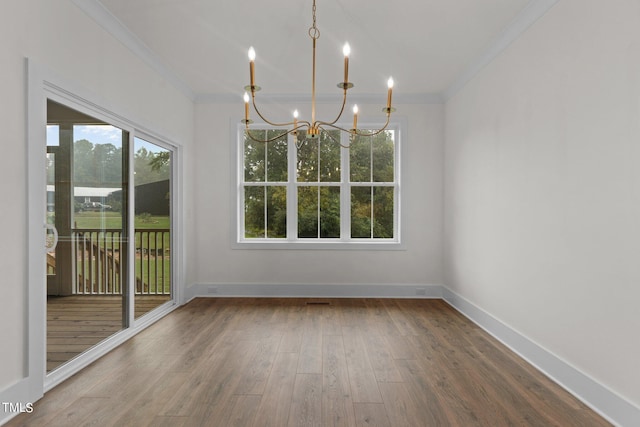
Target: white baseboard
<point x="614" y="408"/>
<point x="313" y="290"/>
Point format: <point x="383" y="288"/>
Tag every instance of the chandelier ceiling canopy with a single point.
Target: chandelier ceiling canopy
<point x="311" y="128"/>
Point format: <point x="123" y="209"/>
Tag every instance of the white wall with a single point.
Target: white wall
<point x="542" y="189"/>
<point x="58" y="36"/>
<point x="217" y="263"/>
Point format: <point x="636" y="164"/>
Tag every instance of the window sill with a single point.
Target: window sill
<point x="332" y="245"/>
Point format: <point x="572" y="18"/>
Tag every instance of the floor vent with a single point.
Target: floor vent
<point x="318" y="303"/>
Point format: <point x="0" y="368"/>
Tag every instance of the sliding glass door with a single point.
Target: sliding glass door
<point x="110" y="259"/>
<point x="87" y="209"/>
<point x="152" y="207"/>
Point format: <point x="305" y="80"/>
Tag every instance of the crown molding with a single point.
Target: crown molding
<point x="99" y="13"/>
<point x="400" y="98"/>
<point x="530" y="14"/>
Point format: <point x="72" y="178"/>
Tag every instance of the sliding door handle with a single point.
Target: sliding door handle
<point x="50" y="245"/>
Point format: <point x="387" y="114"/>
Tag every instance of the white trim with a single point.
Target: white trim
<point x="103" y="17"/>
<point x="398" y="99"/>
<point x="35" y="317"/>
<point x="527" y="16"/>
<point x="315" y="290"/>
<point x="613" y="407"/>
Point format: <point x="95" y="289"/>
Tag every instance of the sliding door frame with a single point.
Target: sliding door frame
<point x="43" y="84"/>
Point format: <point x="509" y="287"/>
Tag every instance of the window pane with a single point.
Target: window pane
<point x="330" y="156"/>
<point x="277" y="157"/>
<point x="307" y="211"/>
<point x="277" y="212"/>
<point x="254" y="157"/>
<point x="330" y="212"/>
<point x="383" y="212"/>
<point x="361" y="212"/>
<point x="254" y="212"/>
<point x="360" y="159"/>
<point x="383" y="148"/>
<point x="308" y="161"/>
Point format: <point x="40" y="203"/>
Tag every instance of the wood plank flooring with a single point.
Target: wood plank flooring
<point x="76" y="323"/>
<point x="285" y="362"/>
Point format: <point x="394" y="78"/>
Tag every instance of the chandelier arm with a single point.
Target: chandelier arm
<point x="344" y="102"/>
<point x="334" y="127"/>
<point x="355" y="131"/>
<point x="332" y="138"/>
<point x="376" y="132"/>
<point x="295" y="129"/>
<point x="248" y="131"/>
<point x="255" y="107"/>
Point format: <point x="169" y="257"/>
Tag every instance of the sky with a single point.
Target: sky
<point x="99" y="134"/>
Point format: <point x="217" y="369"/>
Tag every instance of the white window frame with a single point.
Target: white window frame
<point x="292" y="241"/>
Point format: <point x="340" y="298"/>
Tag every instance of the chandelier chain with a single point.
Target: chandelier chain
<point x="314" y="32"/>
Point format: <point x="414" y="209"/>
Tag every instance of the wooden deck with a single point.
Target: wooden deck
<point x="75" y="323"/>
<point x="298" y="362"/>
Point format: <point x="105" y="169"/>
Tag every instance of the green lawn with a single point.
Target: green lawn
<point x="113" y="220"/>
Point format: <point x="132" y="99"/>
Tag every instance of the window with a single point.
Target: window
<point x="318" y="192"/>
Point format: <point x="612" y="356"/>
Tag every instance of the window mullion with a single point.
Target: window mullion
<point x="292" y="190"/>
<point x="345" y="190"/>
<point x="318" y="216"/>
<point x="266" y="180"/>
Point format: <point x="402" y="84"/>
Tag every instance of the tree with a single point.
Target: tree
<point x="151" y="167"/>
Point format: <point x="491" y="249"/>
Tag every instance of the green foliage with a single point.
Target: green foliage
<point x="96" y="165"/>
<point x="143" y="218"/>
<point x="372" y="161"/>
<point x="151" y="167"/>
<point x="100" y="165"/>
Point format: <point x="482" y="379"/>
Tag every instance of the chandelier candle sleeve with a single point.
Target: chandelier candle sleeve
<point x="355" y="117"/>
<point x="346" y="50"/>
<point x="252" y="73"/>
<point x="246" y="107"/>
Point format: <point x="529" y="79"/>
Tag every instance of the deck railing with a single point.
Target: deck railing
<point x="98" y="268"/>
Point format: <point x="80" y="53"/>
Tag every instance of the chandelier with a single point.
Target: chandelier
<point x="313" y="128"/>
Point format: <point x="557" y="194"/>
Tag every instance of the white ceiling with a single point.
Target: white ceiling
<point x="428" y="46"/>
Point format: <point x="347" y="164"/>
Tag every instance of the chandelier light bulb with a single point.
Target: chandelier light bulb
<point x="346" y="49"/>
<point x="252" y="54"/>
<point x="246" y="98"/>
<point x="355" y="109"/>
<point x="390" y="83"/>
<point x="295" y="114"/>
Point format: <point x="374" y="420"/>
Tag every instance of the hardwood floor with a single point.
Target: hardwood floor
<point x="76" y="323"/>
<point x="295" y="362"/>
